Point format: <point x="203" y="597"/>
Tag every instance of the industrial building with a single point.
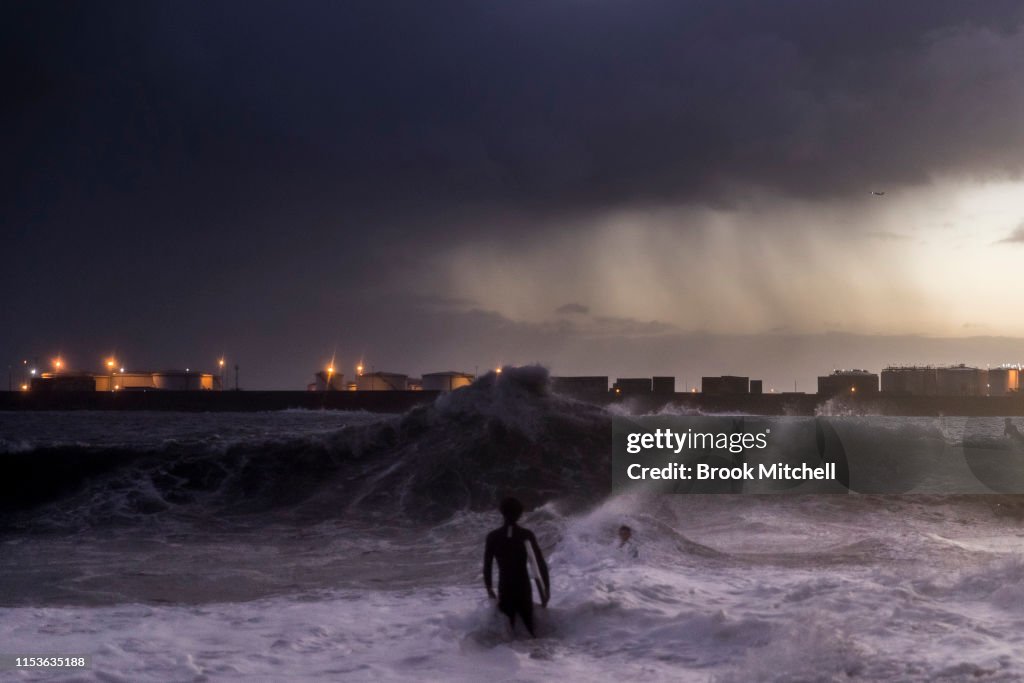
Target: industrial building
<point x="326" y="380"/>
<point x="725" y="385"/>
<point x="960" y="380"/>
<point x="125" y="381"/>
<point x="445" y="381"/>
<point x="176" y="380"/>
<point x="848" y="383"/>
<point x="1003" y="380"/>
<point x="632" y="385"/>
<point x="582" y="386"/>
<point x="63" y="381"/>
<point x="950" y="380"/>
<point x="909" y="380"/>
<point x="663" y="385"/>
<point x="382" y="381"/>
<point x="132" y="380"/>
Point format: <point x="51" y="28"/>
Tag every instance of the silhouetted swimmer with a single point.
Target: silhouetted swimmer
<point x="626" y="545"/>
<point x="1010" y="430"/>
<point x="508" y="545"/>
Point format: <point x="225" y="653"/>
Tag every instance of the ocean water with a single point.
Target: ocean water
<point x="315" y="546"/>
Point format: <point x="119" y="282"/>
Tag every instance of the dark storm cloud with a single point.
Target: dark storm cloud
<point x="555" y="106"/>
<point x="434" y="302"/>
<point x="183" y="177"/>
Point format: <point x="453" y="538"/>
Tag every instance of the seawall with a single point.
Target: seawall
<point x="812" y="404"/>
<point x="401" y="401"/>
<point x="217" y="401"/>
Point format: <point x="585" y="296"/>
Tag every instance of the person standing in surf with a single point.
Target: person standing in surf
<point x="518" y="555"/>
<point x="1010" y="430"/>
<point x="626" y="545"/>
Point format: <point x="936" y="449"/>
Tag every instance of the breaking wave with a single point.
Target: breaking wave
<point x="504" y="434"/>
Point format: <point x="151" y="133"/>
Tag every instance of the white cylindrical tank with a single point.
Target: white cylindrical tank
<point x="446" y="381"/>
<point x="382" y="381"/>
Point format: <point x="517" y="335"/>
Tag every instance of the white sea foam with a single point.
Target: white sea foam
<point x="725" y="588"/>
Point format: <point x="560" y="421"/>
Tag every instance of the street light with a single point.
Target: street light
<point x="58" y="363"/>
<point x="111" y="364"/>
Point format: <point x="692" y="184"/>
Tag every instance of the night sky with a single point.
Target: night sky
<point x="620" y="188"/>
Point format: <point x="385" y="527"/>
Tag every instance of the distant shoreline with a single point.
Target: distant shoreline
<point x="217" y="401"/>
<point x="813" y="404"/>
<point x="401" y="401"/>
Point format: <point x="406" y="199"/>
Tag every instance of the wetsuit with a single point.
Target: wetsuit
<point x="507" y="545"/>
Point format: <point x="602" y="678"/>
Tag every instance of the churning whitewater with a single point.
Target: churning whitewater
<point x="348" y="546"/>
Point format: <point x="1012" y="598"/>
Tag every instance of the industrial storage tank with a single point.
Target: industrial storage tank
<point x="446" y="381"/>
<point x="960" y="380"/>
<point x="64" y="381"/>
<point x="911" y="380"/>
<point x="725" y="385"/>
<point x="1003" y="380"/>
<point x="382" y="381"/>
<point x="632" y="385"/>
<point x="329" y="381"/>
<point x="848" y="383"/>
<point x="125" y="381"/>
<point x="176" y="380"/>
<point x="663" y="385"/>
